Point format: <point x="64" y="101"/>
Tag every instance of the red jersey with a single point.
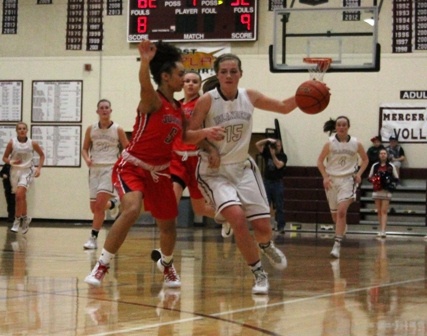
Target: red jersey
<point x="154" y="133"/>
<point x="178" y="144"/>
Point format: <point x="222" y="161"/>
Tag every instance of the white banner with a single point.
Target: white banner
<point x="407" y="122"/>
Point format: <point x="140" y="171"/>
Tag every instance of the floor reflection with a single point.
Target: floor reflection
<point x="378" y="287"/>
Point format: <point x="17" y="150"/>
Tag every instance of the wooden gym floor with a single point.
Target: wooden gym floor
<point x="376" y="288"/>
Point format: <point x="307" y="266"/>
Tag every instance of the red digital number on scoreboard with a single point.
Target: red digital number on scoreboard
<point x="246" y="20"/>
<point x="240" y="3"/>
<point x="141" y="27"/>
<point x="146" y="3"/>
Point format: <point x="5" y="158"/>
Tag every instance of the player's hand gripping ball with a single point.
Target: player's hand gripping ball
<point x="312" y="96"/>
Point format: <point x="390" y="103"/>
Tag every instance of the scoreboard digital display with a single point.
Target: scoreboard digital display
<point x="192" y="20"/>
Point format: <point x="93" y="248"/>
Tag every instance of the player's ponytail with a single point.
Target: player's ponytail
<point x="330" y="125"/>
<point x="210" y="83"/>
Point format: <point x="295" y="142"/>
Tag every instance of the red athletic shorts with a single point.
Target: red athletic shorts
<point x="186" y="171"/>
<point x="159" y="197"/>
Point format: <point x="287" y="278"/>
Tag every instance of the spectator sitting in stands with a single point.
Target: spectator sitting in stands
<point x="396" y="154"/>
<point x="373" y="151"/>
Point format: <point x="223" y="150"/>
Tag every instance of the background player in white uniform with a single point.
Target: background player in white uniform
<point x="227" y="174"/>
<point x="19" y="154"/>
<point x="100" y="152"/>
<point x="341" y="174"/>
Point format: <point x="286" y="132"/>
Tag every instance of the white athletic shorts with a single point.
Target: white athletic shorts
<point x="343" y="189"/>
<point x="21" y="177"/>
<point x="100" y="180"/>
<point x="234" y="184"/>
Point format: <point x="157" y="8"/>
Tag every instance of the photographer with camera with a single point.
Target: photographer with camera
<point x="274" y="165"/>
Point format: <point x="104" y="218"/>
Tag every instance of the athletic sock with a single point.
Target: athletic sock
<point x="106" y="257"/>
<point x="94" y="233"/>
<point x="167" y="260"/>
<point x="113" y="202"/>
<point x="338" y="239"/>
<point x="264" y="245"/>
<point x="256" y="265"/>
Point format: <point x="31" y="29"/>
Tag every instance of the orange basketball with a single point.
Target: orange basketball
<point x="312" y="96"/>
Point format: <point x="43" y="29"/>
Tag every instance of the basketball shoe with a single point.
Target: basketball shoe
<point x="275" y="256"/>
<point x="91" y="243"/>
<point x="261" y="285"/>
<point x="336" y="250"/>
<point x="97" y="275"/>
<point x="16" y="224"/>
<point x="25" y="224"/>
<point x="381" y="234"/>
<point x="170" y="276"/>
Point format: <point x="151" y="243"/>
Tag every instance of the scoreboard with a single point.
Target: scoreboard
<point x="192" y="20"/>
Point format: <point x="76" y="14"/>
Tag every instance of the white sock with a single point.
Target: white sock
<point x="166" y="260"/>
<point x="106" y="257"/>
<point x="338" y="239"/>
<point x="256" y="266"/>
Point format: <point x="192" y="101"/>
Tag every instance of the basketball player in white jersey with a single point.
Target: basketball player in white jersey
<point x="19" y="154"/>
<point x="227" y="175"/>
<point x="101" y="148"/>
<point x="341" y="173"/>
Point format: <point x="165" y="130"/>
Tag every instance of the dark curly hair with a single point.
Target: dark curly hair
<point x="165" y="60"/>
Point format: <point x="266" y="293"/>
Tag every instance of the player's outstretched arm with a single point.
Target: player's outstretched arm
<point x="263" y="102"/>
<point x="149" y="100"/>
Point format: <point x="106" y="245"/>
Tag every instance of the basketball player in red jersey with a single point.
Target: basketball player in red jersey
<point x="185" y="157"/>
<point x="142" y="171"/>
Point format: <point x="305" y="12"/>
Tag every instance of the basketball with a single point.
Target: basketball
<point x="312" y="96"/>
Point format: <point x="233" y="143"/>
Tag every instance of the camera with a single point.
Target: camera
<point x="271" y="144"/>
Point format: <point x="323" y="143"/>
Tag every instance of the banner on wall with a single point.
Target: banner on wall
<point x="407" y="122"/>
<point x="201" y="59"/>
